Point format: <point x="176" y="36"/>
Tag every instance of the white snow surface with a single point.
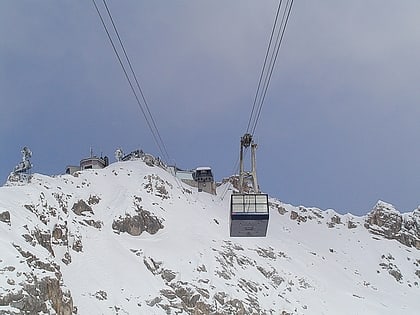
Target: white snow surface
<point x="309" y="266"/>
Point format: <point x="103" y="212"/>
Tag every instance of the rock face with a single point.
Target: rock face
<point x="33" y="298"/>
<point x="143" y="221"/>
<point x="5" y="217"/>
<point x="80" y="207"/>
<point x="40" y="289"/>
<point x="385" y="220"/>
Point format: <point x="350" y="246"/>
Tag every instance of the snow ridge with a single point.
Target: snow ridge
<point x="129" y="239"/>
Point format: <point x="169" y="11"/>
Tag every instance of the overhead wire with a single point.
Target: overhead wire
<point x="268" y="68"/>
<point x="263" y="83"/>
<point x="144" y="108"/>
<point x="137" y="82"/>
<point x="263" y="68"/>
<point x="270" y="59"/>
<point x="152" y="125"/>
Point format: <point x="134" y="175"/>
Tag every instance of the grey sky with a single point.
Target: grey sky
<point x="339" y="128"/>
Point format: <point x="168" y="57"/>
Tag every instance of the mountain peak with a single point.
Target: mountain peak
<point x="387" y="221"/>
<point x="132" y="239"/>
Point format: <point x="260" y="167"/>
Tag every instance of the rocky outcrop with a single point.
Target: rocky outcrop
<point x="134" y="225"/>
<point x="36" y="296"/>
<point x="40" y="291"/>
<point x="80" y="207"/>
<point x="5" y="217"/>
<point x="388" y="264"/>
<point x="334" y="220"/>
<point x="303" y="214"/>
<point x="60" y="235"/>
<point x="44" y="239"/>
<point x="296" y="216"/>
<point x="200" y="297"/>
<point x="157" y="186"/>
<point x="388" y="222"/>
<point x="93" y="200"/>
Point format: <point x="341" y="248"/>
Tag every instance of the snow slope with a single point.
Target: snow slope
<point x="130" y="239"/>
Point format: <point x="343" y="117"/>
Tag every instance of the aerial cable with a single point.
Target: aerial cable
<point x="263" y="68"/>
<point x="268" y="67"/>
<point x="159" y="145"/>
<point x="152" y="126"/>
<point x="279" y="40"/>
<point x="137" y="82"/>
<point x="274" y="55"/>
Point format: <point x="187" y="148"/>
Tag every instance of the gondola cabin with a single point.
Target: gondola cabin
<point x="248" y="215"/>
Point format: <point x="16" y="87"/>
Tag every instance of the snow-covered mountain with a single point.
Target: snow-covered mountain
<point x="131" y="239"/>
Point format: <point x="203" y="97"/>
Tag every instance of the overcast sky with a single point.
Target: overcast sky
<point x="339" y="128"/>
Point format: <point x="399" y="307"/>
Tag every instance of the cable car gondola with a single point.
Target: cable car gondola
<point x="249" y="214"/>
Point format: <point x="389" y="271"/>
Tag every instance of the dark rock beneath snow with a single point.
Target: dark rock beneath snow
<point x="93" y="200"/>
<point x="37" y="296"/>
<point x="386" y="221"/>
<point x="295" y="216"/>
<point x="134" y="225"/>
<point x="44" y="239"/>
<point x="351" y="225"/>
<point x="80" y="207"/>
<point x="5" y="217"/>
<point x="335" y="219"/>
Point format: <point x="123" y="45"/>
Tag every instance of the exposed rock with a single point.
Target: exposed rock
<point x="202" y="308"/>
<point x="39" y="295"/>
<point x="152" y="265"/>
<point x="154" y="301"/>
<point x="182" y="296"/>
<point x="392" y="270"/>
<point x="266" y="253"/>
<point x="62" y="201"/>
<point x="10" y="281"/>
<point x="101" y="295"/>
<point x="295" y="216"/>
<point x="396" y="274"/>
<point x="144" y="221"/>
<point x="77" y="245"/>
<point x="60" y="235"/>
<point x="93" y="200"/>
<point x="168" y="275"/>
<point x="96" y="224"/>
<point x="281" y="210"/>
<point x="158" y="186"/>
<point x="44" y="239"/>
<point x="62" y="302"/>
<point x="385" y="220"/>
<point x="80" y="207"/>
<point x="41" y="216"/>
<point x="389" y="265"/>
<point x="235" y="306"/>
<point x="67" y="258"/>
<point x="34" y="262"/>
<point x="5" y="217"/>
<point x="272" y="275"/>
<point x="335" y="219"/>
<point x="155" y="267"/>
<point x="220" y="297"/>
<point x="202" y="268"/>
<point x="316" y="212"/>
<point x="351" y="225"/>
<point x="57" y="233"/>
